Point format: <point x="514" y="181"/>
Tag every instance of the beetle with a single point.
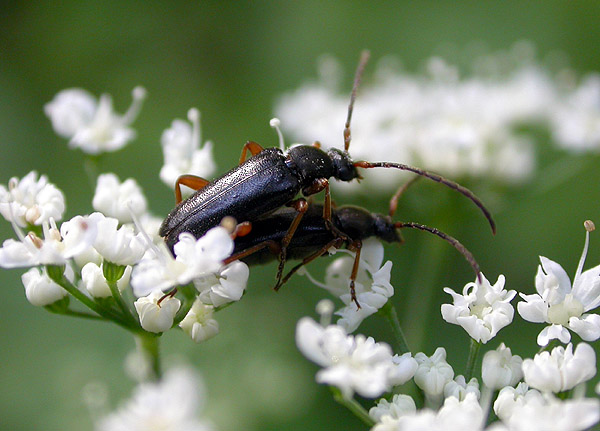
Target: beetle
<point x="271" y="179"/>
<point x="313" y="238"/>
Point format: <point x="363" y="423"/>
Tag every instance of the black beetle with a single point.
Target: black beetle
<point x="271" y="179"/>
<point x="313" y="238"/>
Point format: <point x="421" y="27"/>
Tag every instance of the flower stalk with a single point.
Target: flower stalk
<point x="353" y="406"/>
<point x="474" y="348"/>
<point x="388" y="311"/>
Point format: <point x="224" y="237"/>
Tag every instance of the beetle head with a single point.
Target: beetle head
<point x="343" y="165"/>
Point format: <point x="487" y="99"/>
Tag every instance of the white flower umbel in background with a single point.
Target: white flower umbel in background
<point x="119" y="200"/>
<point x="171" y="404"/>
<point x="351" y="363"/>
<point x="576" y="122"/>
<point x="482" y="310"/>
<point x="457" y="126"/>
<point x="560" y="370"/>
<point x="372" y="286"/>
<point x="561" y="305"/>
<point x="31" y="200"/>
<point x="91" y="124"/>
<point x="182" y="152"/>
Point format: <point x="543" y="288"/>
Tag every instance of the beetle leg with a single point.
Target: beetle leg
<point x="166" y="295"/>
<point x="272" y="245"/>
<point x="191" y="181"/>
<point x="335" y="243"/>
<point x="301" y="207"/>
<point x="357" y="246"/>
<point x="242" y="229"/>
<point x="251" y="146"/>
<point x="323" y="184"/>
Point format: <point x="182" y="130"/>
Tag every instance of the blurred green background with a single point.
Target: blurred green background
<point x="232" y="60"/>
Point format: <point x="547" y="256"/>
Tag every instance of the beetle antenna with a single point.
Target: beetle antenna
<point x="394" y="200"/>
<point x="453" y="241"/>
<point x="364" y="58"/>
<point x="435" y="177"/>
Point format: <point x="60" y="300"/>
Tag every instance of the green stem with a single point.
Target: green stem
<point x="88" y="302"/>
<point x="75" y="313"/>
<point x="473" y="353"/>
<point x="419" y="302"/>
<point x="91" y="166"/>
<point x="127" y="314"/>
<point x="353" y="405"/>
<point x="389" y="313"/>
<point x="183" y="311"/>
<point x="148" y="346"/>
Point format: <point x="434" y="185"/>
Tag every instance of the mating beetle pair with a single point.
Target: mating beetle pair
<point x="269" y="181"/>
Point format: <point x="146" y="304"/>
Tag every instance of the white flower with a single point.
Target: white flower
<point x="118" y="245"/>
<point x="31" y="200"/>
<point x="182" y="152"/>
<point x="171" y="404"/>
<point x="433" y="373"/>
<point x="455" y="415"/>
<point x="92" y="279"/>
<point x="482" y="310"/>
<point x="74" y="237"/>
<point x="225" y="286"/>
<point x="351" y="363"/>
<point x="156" y="317"/>
<point x="372" y="284"/>
<point x="40" y="290"/>
<point x="562" y="369"/>
<point x="92" y="125"/>
<point x="552" y="414"/>
<point x="500" y="368"/>
<point x="561" y="305"/>
<point x="575" y="123"/>
<point x="198" y="323"/>
<point x="510" y="399"/>
<point x="194" y="258"/>
<point x="399" y="406"/>
<point x="118" y="200"/>
<point x="404" y="369"/>
<point x="457" y="126"/>
<point x="459" y="388"/>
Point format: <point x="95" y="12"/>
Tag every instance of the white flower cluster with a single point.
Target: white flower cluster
<point x="530" y="393"/>
<point x="458" y="126"/>
<point x="88" y="248"/>
<point x="91" y="124"/>
<point x="372" y="285"/>
<point x="353" y="363"/>
<point x="172" y="404"/>
<point x="182" y="152"/>
<point x="108" y="257"/>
